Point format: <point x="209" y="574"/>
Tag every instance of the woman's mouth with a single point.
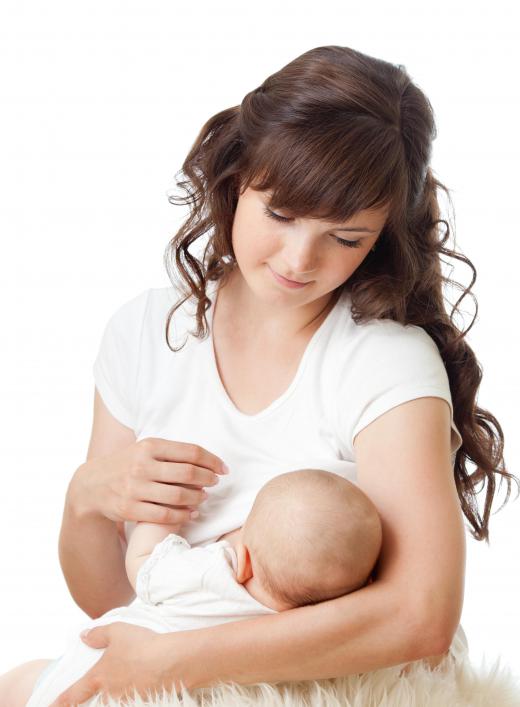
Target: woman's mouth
<point x="287" y="283"/>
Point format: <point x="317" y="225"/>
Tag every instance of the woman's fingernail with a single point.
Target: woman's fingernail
<point x="194" y="514"/>
<point x="84" y="633"/>
<point x="225" y="468"/>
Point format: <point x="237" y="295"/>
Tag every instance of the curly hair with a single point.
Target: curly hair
<point x="334" y="132"/>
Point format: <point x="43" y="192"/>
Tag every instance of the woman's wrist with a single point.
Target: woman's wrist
<point x="78" y="500"/>
<point x="172" y="662"/>
<point x="90" y="551"/>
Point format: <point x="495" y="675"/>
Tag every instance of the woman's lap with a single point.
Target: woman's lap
<point x="45" y="671"/>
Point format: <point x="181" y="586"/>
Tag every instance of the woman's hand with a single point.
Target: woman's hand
<point x="133" y="657"/>
<point x="153" y="480"/>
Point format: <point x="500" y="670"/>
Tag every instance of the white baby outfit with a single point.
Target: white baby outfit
<point x="178" y="588"/>
<point x="349" y="375"/>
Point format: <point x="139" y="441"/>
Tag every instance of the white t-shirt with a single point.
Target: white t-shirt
<point x="348" y="376"/>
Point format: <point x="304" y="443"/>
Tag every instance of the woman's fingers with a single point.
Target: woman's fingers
<point x="157" y="513"/>
<point x="79" y="693"/>
<point x="151" y="471"/>
<point x="182" y="473"/>
<point x="171" y="451"/>
<point x="169" y="494"/>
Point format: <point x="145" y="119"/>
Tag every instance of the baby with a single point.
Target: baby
<point x="310" y="536"/>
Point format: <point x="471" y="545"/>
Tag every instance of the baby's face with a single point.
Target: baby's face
<point x="230" y="537"/>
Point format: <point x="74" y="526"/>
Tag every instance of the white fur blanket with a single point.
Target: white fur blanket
<point x="451" y="684"/>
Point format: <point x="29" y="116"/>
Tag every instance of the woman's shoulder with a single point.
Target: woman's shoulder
<point x="161" y="298"/>
<point x="381" y="338"/>
<point x="150" y="303"/>
<point x="381" y="364"/>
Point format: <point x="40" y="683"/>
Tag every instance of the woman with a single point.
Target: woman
<point x="322" y="273"/>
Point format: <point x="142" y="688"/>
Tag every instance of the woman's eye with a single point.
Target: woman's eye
<point x="347" y="244"/>
<point x="341" y="241"/>
<point x="271" y="214"/>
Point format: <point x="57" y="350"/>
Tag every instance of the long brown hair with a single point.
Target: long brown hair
<point x="331" y="133"/>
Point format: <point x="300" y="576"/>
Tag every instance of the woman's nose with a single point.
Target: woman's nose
<point x="300" y="254"/>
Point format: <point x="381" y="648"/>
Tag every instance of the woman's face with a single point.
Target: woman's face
<point x="304" y="250"/>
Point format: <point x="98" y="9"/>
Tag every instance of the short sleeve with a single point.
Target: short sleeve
<point x="116" y="365"/>
<point x="156" y="578"/>
<point x="393" y="364"/>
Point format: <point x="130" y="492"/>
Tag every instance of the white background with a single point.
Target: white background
<point x="99" y="103"/>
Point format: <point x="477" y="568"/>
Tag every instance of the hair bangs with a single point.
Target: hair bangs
<point x="330" y="177"/>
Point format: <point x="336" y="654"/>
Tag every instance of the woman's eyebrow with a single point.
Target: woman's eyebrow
<point x="354" y="228"/>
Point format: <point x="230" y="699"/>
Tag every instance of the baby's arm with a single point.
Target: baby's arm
<point x="142" y="541"/>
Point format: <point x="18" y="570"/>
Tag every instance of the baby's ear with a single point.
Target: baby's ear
<point x="244" y="568"/>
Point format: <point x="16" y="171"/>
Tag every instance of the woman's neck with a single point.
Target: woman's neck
<point x="268" y="319"/>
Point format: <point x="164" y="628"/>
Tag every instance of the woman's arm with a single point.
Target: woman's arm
<point x="371" y="628"/>
<point x="412" y="609"/>
<point x="90" y="551"/>
<point x="306" y="643"/>
<point x="92" y="560"/>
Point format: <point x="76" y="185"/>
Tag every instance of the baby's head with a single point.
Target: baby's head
<point x="311" y="535"/>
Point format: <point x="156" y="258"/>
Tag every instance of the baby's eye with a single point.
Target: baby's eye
<point x="341" y="241"/>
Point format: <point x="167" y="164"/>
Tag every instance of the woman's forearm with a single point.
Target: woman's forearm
<point x="368" y="629"/>
<point x="91" y="558"/>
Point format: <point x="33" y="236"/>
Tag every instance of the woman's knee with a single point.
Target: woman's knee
<point x="17" y="684"/>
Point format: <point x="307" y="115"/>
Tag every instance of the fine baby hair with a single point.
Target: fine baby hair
<point x="312" y="536"/>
